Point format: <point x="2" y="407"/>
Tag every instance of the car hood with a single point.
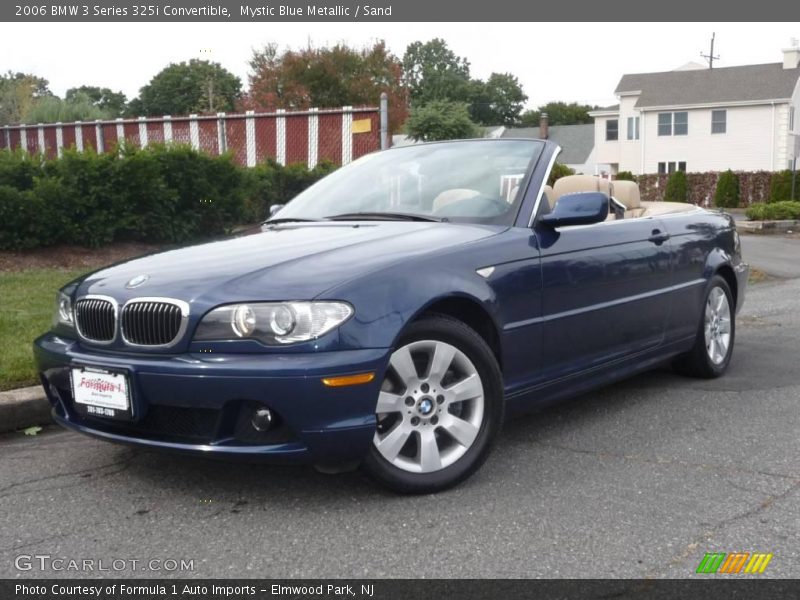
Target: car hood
<point x="283" y="262"/>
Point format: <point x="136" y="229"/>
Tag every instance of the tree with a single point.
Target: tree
<point x="677" y="189"/>
<point x="727" y="193"/>
<point x="196" y="86"/>
<point x="498" y="100"/>
<point x="110" y="102"/>
<point x="18" y="92"/>
<point x="440" y="120"/>
<point x="559" y="113"/>
<point x="780" y="186"/>
<point x="434" y="72"/>
<point x="51" y="109"/>
<point x="327" y="78"/>
<point x="558" y="171"/>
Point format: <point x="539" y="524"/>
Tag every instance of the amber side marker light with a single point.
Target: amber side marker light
<point x="344" y="380"/>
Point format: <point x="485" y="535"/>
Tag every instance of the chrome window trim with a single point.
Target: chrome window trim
<point x="185" y="311"/>
<point x="114" y="305"/>
<point x="538" y="202"/>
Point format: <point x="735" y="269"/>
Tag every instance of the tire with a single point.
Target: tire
<point x="440" y="408"/>
<point x="713" y="346"/>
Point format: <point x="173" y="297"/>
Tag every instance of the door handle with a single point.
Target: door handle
<point x="658" y="237"/>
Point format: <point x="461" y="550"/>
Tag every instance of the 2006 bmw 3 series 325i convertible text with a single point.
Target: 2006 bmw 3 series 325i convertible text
<point x="394" y="313"/>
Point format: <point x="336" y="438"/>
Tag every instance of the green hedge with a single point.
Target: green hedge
<point x="165" y="194"/>
<point x="774" y="211"/>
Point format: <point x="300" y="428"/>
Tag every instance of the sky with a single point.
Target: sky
<point x="579" y="62"/>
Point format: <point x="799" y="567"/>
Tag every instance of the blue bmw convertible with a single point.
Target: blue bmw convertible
<point x="392" y="315"/>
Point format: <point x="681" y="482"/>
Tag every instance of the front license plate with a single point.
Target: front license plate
<point x="101" y="393"/>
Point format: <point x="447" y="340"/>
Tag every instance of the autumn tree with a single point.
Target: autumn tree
<point x="326" y="78"/>
<point x="18" y="93"/>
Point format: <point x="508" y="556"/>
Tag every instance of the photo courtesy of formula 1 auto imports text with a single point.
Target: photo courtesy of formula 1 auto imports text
<point x="325" y="300"/>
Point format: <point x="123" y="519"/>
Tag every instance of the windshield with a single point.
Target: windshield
<point x="474" y="181"/>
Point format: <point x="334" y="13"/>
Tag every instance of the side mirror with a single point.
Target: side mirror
<point x="274" y="209"/>
<point x="582" y="208"/>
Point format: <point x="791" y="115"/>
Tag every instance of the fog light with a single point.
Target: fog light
<point x="262" y="419"/>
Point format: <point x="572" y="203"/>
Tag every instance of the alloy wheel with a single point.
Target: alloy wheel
<point x="717" y="325"/>
<point x="431" y="407"/>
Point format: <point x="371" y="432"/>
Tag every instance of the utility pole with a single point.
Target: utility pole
<point x="710" y="58"/>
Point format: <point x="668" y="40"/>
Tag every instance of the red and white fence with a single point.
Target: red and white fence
<point x="310" y="136"/>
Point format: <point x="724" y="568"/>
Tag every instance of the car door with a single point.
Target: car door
<point x="603" y="292"/>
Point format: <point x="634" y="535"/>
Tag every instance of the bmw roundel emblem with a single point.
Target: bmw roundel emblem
<point x="137" y="281"/>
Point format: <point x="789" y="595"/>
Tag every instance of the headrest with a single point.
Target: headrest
<point x="627" y="192"/>
<point x="572" y="184"/>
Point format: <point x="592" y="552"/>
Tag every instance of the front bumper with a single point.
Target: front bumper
<point x="199" y="403"/>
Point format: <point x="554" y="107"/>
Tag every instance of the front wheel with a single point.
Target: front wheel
<point x="713" y="345"/>
<point x="439" y="408"/>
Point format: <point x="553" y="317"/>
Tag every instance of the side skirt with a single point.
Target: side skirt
<point x="565" y="387"/>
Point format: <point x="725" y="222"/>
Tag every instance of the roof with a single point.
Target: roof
<point x="746" y="83"/>
<point x="576" y="141"/>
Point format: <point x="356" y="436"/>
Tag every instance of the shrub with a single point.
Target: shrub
<point x="625" y="176"/>
<point x="677" y="189"/>
<point x="18" y="169"/>
<point x="441" y="120"/>
<point x="269" y="183"/>
<point x="780" y="186"/>
<point x="168" y="194"/>
<point x="558" y="171"/>
<point x="727" y="193"/>
<point x="23" y="219"/>
<point x="774" y="211"/>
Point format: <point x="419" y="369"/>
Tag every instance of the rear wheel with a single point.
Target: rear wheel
<point x="713" y="347"/>
<point x="439" y="409"/>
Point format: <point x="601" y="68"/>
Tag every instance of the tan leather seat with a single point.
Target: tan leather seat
<point x="454" y="195"/>
<point x="572" y="184"/>
<point x="627" y="193"/>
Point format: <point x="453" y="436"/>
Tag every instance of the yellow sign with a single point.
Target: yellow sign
<point x="362" y="126"/>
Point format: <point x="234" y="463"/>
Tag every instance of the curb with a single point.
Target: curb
<point x="767" y="227"/>
<point x="23" y="407"/>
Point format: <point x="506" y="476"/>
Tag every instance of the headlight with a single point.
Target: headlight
<point x="63" y="314"/>
<point x="273" y="322"/>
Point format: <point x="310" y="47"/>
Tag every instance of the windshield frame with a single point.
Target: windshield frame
<point x="508" y="218"/>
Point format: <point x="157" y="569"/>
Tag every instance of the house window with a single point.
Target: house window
<point x="670" y="167"/>
<point x="719" y="121"/>
<point x="633" y="128"/>
<point x="612" y="130"/>
<point x="791" y="118"/>
<point x="664" y="123"/>
<point x="676" y="123"/>
<point x="681" y="123"/>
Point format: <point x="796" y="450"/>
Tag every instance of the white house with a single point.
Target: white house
<point x="700" y="119"/>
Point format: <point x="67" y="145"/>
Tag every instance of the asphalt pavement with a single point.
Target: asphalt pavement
<point x="639" y="479"/>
